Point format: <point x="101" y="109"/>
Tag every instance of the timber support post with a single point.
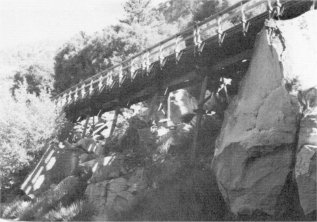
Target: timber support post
<point x="152" y="107"/>
<point x="85" y="126"/>
<point x="114" y="121"/>
<point x="200" y="112"/>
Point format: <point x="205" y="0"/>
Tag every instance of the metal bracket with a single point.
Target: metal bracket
<point x="133" y="69"/>
<point x="76" y="93"/>
<point x="178" y="52"/>
<point x="199" y="44"/>
<point x="110" y="81"/>
<point x="83" y="91"/>
<point x="91" y="88"/>
<point x="279" y="9"/>
<point x="275" y="11"/>
<point x="162" y="59"/>
<point x="100" y="83"/>
<point x="146" y="62"/>
<point x="245" y="22"/>
<point x="122" y="77"/>
<point x="69" y="98"/>
<point x="221" y="33"/>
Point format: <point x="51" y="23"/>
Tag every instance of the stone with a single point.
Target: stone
<point x="99" y="149"/>
<point x="255" y="150"/>
<point x="116" y="195"/>
<point x="97" y="195"/>
<point x="106" y="168"/>
<point x="86" y="143"/>
<point x="181" y="103"/>
<point x="90" y="163"/>
<point x="137" y="181"/>
<point x="305" y="169"/>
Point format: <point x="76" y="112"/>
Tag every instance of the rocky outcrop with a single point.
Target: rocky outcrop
<point x="181" y="102"/>
<point x="305" y="169"/>
<point x="256" y="149"/>
<point x="106" y="168"/>
<point x="116" y="195"/>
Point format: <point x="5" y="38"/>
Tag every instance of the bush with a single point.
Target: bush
<point x="42" y="209"/>
<point x="81" y="210"/>
<point x="27" y="123"/>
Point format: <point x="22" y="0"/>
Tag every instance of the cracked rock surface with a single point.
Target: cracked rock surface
<point x="267" y="124"/>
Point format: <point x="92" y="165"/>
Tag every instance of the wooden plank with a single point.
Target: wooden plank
<point x="247" y="54"/>
<point x="85" y="127"/>
<point x="114" y="121"/>
<point x="199" y="117"/>
<point x="153" y="103"/>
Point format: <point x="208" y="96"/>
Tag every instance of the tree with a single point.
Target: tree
<point x="27" y="122"/>
<point x="141" y="27"/>
<point x="85" y="55"/>
<point x="37" y="78"/>
<point x="185" y="12"/>
<point x="137" y="11"/>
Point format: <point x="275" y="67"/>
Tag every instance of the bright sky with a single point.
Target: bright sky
<point x="27" y="21"/>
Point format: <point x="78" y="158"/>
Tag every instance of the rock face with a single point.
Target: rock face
<point x="117" y="195"/>
<point x="256" y="149"/>
<point x="305" y="169"/>
<point x="181" y="103"/>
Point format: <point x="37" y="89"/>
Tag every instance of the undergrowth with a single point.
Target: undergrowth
<point x="43" y="209"/>
<point x="192" y="195"/>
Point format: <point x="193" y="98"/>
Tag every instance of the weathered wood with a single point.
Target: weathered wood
<point x="114" y="121"/>
<point x="152" y="110"/>
<point x="85" y="126"/>
<point x="169" y="111"/>
<point x="199" y="117"/>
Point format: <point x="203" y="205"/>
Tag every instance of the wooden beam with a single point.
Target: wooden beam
<point x="169" y="111"/>
<point x="85" y="127"/>
<point x="114" y="121"/>
<point x="199" y="117"/>
<point x="247" y="54"/>
<point x="152" y="110"/>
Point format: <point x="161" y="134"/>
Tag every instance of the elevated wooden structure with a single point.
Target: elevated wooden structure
<point x="220" y="46"/>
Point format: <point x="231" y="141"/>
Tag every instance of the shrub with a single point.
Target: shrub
<point x="80" y="210"/>
<point x="14" y="209"/>
<point x="27" y="123"/>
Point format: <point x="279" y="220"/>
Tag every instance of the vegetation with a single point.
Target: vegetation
<point x="29" y="118"/>
<point x="79" y="210"/>
<point x="27" y="122"/>
<point x="140" y="27"/>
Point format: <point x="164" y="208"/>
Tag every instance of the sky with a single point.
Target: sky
<point x="30" y="21"/>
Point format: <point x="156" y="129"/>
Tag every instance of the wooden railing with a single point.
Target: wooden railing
<point x="237" y="15"/>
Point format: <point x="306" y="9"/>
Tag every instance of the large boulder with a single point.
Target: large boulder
<point x="181" y="102"/>
<point x="256" y="149"/>
<point x="106" y="168"/>
<point x="118" y="195"/>
<point x="306" y="157"/>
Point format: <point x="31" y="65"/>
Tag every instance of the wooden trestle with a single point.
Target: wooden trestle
<point x="222" y="43"/>
<point x="221" y="46"/>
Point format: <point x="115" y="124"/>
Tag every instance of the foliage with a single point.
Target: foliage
<point x="14" y="209"/>
<point x="186" y="12"/>
<point x="190" y="195"/>
<point x="80" y="210"/>
<point x="40" y="54"/>
<point x="84" y="55"/>
<point x="37" y="79"/>
<point x="27" y="122"/>
<point x="43" y="210"/>
<point x="141" y="26"/>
